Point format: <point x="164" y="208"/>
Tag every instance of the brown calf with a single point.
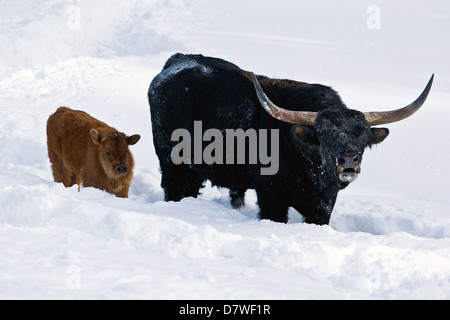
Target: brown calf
<point x="84" y="150"/>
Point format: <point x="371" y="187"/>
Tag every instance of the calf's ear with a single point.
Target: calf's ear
<point x="133" y="139"/>
<point x="378" y="135"/>
<point x="94" y="136"/>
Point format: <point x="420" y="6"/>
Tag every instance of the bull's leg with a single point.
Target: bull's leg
<point x="318" y="212"/>
<point x="237" y="198"/>
<point x="180" y="181"/>
<point x="319" y="220"/>
<point x="272" y="206"/>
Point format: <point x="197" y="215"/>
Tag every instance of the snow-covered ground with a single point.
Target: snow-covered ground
<point x="389" y="236"/>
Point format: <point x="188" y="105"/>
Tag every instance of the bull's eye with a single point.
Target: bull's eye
<point x="108" y="154"/>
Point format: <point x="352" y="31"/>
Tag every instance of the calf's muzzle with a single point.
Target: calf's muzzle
<point x="122" y="170"/>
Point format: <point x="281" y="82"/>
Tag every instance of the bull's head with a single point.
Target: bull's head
<point x="340" y="133"/>
<point x="113" y="151"/>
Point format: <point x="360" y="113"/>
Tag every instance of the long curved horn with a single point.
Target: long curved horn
<point x="385" y="117"/>
<point x="296" y="117"/>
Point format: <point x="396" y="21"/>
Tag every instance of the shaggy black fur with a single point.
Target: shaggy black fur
<point x="221" y="95"/>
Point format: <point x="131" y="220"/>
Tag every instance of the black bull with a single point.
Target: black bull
<point x="321" y="141"/>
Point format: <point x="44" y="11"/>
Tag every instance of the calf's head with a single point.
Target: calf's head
<point x="113" y="151"/>
<point x="340" y="135"/>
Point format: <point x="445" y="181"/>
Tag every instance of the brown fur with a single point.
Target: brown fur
<point x="84" y="150"/>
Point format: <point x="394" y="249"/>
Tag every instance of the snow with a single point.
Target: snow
<point x="389" y="236"/>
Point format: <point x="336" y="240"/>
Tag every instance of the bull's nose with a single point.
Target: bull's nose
<point x="348" y="166"/>
<point x="348" y="160"/>
<point x="122" y="170"/>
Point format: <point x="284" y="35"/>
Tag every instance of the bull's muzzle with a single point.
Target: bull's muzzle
<point x="348" y="166"/>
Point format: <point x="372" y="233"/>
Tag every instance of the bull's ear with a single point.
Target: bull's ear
<point x="304" y="134"/>
<point x="378" y="135"/>
<point x="133" y="139"/>
<point x="94" y="136"/>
